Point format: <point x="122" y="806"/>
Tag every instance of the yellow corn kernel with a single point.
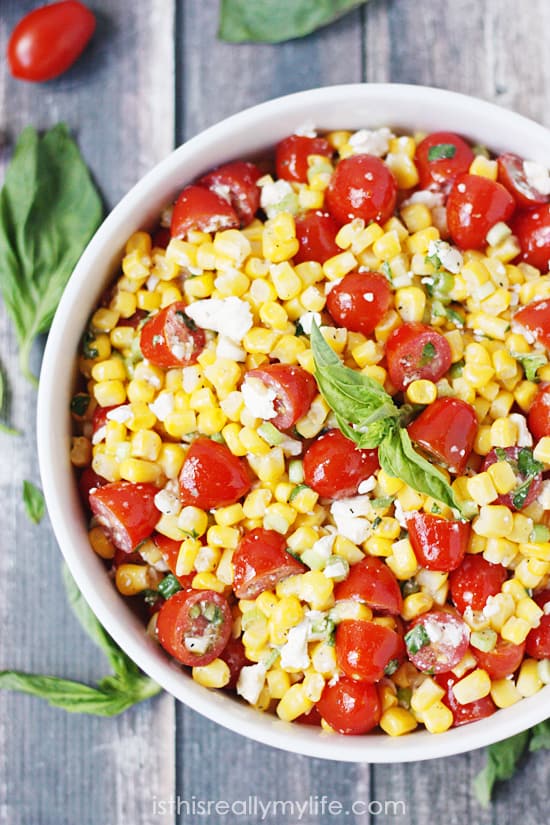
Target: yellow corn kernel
<point x="416" y="604"/>
<point x="477" y="375"/>
<point x="210" y="422"/>
<point x="502" y="476"/>
<point x="426" y="694"/>
<point x="387" y="246"/>
<point x="515" y="630"/>
<point x="514" y="589"/>
<point x="194" y="521"/>
<point x="389" y="322"/>
<point x="225" y="571"/>
<point x="504" y="693"/>
<point x="405" y="675"/>
<point x="200" y="286"/>
<point x="484" y="167"/>
<point x="279" y="517"/>
<point x="410" y="499"/>
<point x="522" y="529"/>
<point x="421" y="392"/>
<point x="305" y="500"/>
<point x="410" y="303"/>
<point x="218" y="536"/>
<point x="106" y="466"/>
<point x="124" y="303"/>
<point x="231" y="434"/>
<point x="178" y="424"/>
<point x="279" y="238"/>
<point x="131" y="579"/>
<point x="81" y="451"/>
<point x="207" y="581"/>
<point x="419" y="242"/>
<point x="278" y="683"/>
<point x="396" y="721"/>
<point x="347" y="550"/>
<point x="230" y="515"/>
<point x="168" y="526"/>
<point x="256" y="502"/>
<point x="323" y="659"/>
<point x="101" y="543"/>
<point x="316" y="589"/>
<point x="139" y="471"/>
<point x="339" y="265"/>
<point x="501" y="607"/>
<point x="377" y="546"/>
<point x="313" y="422"/>
<point x="467" y="663"/>
<point x="348" y="609"/>
<point x="388" y="485"/>
<point x="494" y="521"/>
<point x="402" y="562"/>
<point x="500" y="551"/>
<point x="216" y="674"/>
<point x="504" y="433"/>
<point x="140" y="391"/>
<point x="110" y="393"/>
<point x="294" y="703"/>
<point x="525" y="394"/>
<point x="481" y="489"/>
<point x="416" y="216"/>
<point x="542" y="450"/>
<point x="437" y="718"/>
<point x="269" y="467"/>
<point x="529" y="682"/>
<point x="530" y="572"/>
<point x="146" y="444"/>
<point x="476" y="685"/>
<point x="122" y="337"/>
<point x="273" y="315"/>
<point x="189" y="549"/>
<point x="259" y="340"/>
<point x="455" y="339"/>
<point x="170" y="459"/>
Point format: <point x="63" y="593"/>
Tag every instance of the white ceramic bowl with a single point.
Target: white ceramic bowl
<point x="401" y="107"/>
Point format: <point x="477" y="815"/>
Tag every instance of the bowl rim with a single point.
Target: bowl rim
<point x="53" y="433"/>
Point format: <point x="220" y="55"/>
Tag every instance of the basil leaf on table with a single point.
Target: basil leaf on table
<point x="49" y="209"/>
<point x="4" y="428"/>
<point x="502" y="760"/>
<point x="272" y="21"/>
<point x="33" y="499"/>
<point x="540" y="736"/>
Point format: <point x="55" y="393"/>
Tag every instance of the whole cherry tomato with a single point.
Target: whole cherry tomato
<point x="371" y="581"/>
<point x="316" y="232"/>
<point x="438" y="544"/>
<point x="361" y="187"/>
<point x="439" y="158"/>
<point x="199" y="208"/>
<point x="533" y="232"/>
<point x="416" y="351"/>
<point x="260" y="561"/>
<point x="126" y="511"/>
<point x="535" y="318"/>
<point x="194" y="626"/>
<point x="365" y="649"/>
<point x="538" y="417"/>
<point x="447" y="430"/>
<point x="475" y="204"/>
<point x="360" y="301"/>
<point x="519" y="498"/>
<point x="437" y="641"/>
<point x="295" y="390"/>
<point x="502" y="661"/>
<point x="538" y="640"/>
<point x="350" y="707"/>
<point x="291" y="156"/>
<point x="48" y="40"/>
<point x="512" y="175"/>
<point x="212" y="476"/>
<point x="236" y="182"/>
<point x="462" y="714"/>
<point x="170" y="338"/>
<point x="474" y="581"/>
<point x="335" y="467"/>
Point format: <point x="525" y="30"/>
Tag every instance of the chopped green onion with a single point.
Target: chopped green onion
<point x="297" y="490"/>
<point x="271" y="658"/>
<point x="404" y="696"/>
<point x="539" y="533"/>
<point x="168" y="586"/>
<point x="296" y="471"/>
<point x="441" y="151"/>
<point x="80" y="403"/>
<point x="271" y="434"/>
<point x="251" y="616"/>
<point x="484" y="640"/>
<point x="391" y="667"/>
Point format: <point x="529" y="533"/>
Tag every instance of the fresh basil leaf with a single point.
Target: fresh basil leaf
<point x="502" y="760"/>
<point x="49" y="209"/>
<point x="391" y="667"/>
<point x="33" y="500"/>
<point x="416" y="639"/>
<point x="527" y="465"/>
<point x="4" y="428"/>
<point x="428" y="354"/>
<point x="80" y="403"/>
<point x="531" y="363"/>
<point x="519" y="495"/>
<point x="540" y="736"/>
<point x="273" y="21"/>
<point x="441" y="151"/>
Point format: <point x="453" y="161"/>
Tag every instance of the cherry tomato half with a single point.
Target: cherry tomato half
<point x="170" y="550"/>
<point x="236" y="182"/>
<point x="437" y="641"/>
<point x="316" y="232"/>
<point x="365" y="649"/>
<point x="450" y="156"/>
<point x="462" y="714"/>
<point x="361" y="187"/>
<point x="48" y="40"/>
<point x="446" y="430"/>
<point x="502" y="661"/>
<point x="99" y="418"/>
<point x="261" y="561"/>
<point x="199" y="208"/>
<point x="295" y="390"/>
<point x="474" y="581"/>
<point x="194" y="626"/>
<point x="416" y="351"/>
<point x="517" y="499"/>
<point x="535" y="317"/>
<point x="372" y="582"/>
<point x="438" y="544"/>
<point x="538" y="418"/>
<point x="126" y="511"/>
<point x="533" y="232"/>
<point x="538" y="640"/>
<point x="291" y="156"/>
<point x="350" y="707"/>
<point x="212" y="476"/>
<point x="334" y="466"/>
<point x="511" y="173"/>
<point x="360" y="301"/>
<point x="475" y="204"/>
<point x="170" y="338"/>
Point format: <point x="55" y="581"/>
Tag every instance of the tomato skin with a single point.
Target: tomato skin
<point x="502" y="661"/>
<point x="349" y="306"/>
<point x="438" y="544"/>
<point x="127" y="512"/>
<point x="88" y="481"/>
<point x="447" y="430"/>
<point x="362" y="186"/>
<point x="372" y="582"/>
<point x="511" y="174"/>
<point x="291" y="156"/>
<point x="474" y="581"/>
<point x="260" y="561"/>
<point x="407" y="356"/>
<point x="533" y="232"/>
<point x="536" y="318"/>
<point x="538" y="418"/>
<point x="512" y="454"/>
<point x="439" y="174"/>
<point x="235" y="658"/>
<point x="168" y="339"/>
<point x="48" y="40"/>
<point x="364" y="649"/>
<point x="538" y="641"/>
<point x="295" y="390"/>
<point x="200" y="208"/>
<point x="443" y="654"/>
<point x="170" y="551"/>
<point x="463" y="714"/>
<point x="316" y="232"/>
<point x="212" y="476"/>
<point x="334" y="466"/>
<point x="312" y="718"/>
<point x="475" y="204"/>
<point x="350" y="707"/>
<point x="236" y="183"/>
<point x="175" y="624"/>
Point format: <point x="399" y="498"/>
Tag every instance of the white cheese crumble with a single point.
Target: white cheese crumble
<point x="517" y="328"/>
<point x="329" y="285"/>
<point x="273" y="193"/>
<point x="399" y="514"/>
<point x="197" y="644"/>
<point x="99" y="435"/>
<point x="335" y="569"/>
<point x="226" y="348"/>
<point x="367" y="485"/>
<point x="291" y="446"/>
<point x="163" y="405"/>
<point x="543" y="497"/>
<point x="306" y="129"/>
<point x="190" y="378"/>
<point x="167" y="502"/>
<point x="306" y="321"/>
<point x="258" y="398"/>
<point x="371" y="142"/>
<point x="348" y="516"/>
<point x="121" y="414"/>
<point x="227" y="316"/>
<point x="525" y="439"/>
<point x="294" y="653"/>
<point x="537" y="176"/>
<point x="450" y="257"/>
<point x="427" y="197"/>
<point x="251" y="682"/>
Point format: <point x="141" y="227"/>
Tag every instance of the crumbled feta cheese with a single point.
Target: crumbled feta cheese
<point x="167" y="502"/>
<point x="163" y="405"/>
<point x="537" y="176"/>
<point x="190" y="378"/>
<point x="121" y="414"/>
<point x="367" y="485"/>
<point x="226" y="348"/>
<point x="197" y="644"/>
<point x="546" y="609"/>
<point x="323" y="546"/>
<point x="259" y="398"/>
<point x="227" y="316"/>
<point x="371" y="142"/>
<point x="543" y="497"/>
<point x="403" y="279"/>
<point x="294" y="653"/>
<point x="335" y="569"/>
<point x="99" y="435"/>
<point x="492" y="608"/>
<point x="273" y="193"/>
<point x="433" y="629"/>
<point x="329" y="285"/>
<point x="307" y="319"/>
<point x="529" y="336"/>
<point x="525" y="439"/>
<point x="427" y="197"/>
<point x="399" y="513"/>
<point x="306" y="129"/>
<point x="251" y="682"/>
<point x="347" y="514"/>
<point x="291" y="446"/>
<point x="450" y="257"/>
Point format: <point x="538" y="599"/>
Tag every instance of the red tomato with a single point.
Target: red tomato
<point x="360" y="301"/>
<point x="503" y="660"/>
<point x="535" y="317"/>
<point x="475" y="204"/>
<point x="533" y="232"/>
<point x="439" y="173"/>
<point x="316" y="232"/>
<point x="88" y="481"/>
<point x="291" y="156"/>
<point x="446" y="430"/>
<point x="161" y="238"/>
<point x="48" y="40"/>
<point x="126" y="511"/>
<point x="365" y="649"/>
<point x="199" y="208"/>
<point x="261" y="561"/>
<point x="170" y="338"/>
<point x="462" y="714"/>
<point x="212" y="476"/>
<point x="512" y="454"/>
<point x="236" y="182"/>
<point x="474" y="581"/>
<point x="170" y="551"/>
<point x="511" y="173"/>
<point x="99" y="418"/>
<point x="416" y="351"/>
<point x="295" y="390"/>
<point x="372" y="582"/>
<point x="361" y="187"/>
<point x="538" y="640"/>
<point x="350" y="707"/>
<point x="313" y="717"/>
<point x="538" y="417"/>
<point x="235" y="658"/>
<point x="438" y="544"/>
<point x="194" y="626"/>
<point x="437" y="641"/>
<point x="334" y="467"/>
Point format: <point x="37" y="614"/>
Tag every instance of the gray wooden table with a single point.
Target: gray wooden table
<point x="155" y="75"/>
